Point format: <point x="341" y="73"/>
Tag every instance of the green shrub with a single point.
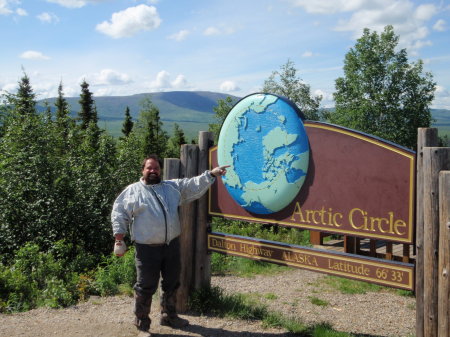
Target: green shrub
<point x="262" y="231"/>
<point x="115" y="273"/>
<point x="36" y="278"/>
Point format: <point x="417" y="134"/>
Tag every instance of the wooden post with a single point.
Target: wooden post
<point x="426" y="137"/>
<point x="189" y="161"/>
<point x="444" y="255"/>
<point x="435" y="159"/>
<point x="350" y="244"/>
<point x="315" y="237"/>
<point x="171" y="168"/>
<point x="202" y="265"/>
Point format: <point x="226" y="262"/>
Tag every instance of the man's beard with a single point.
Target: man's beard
<point x="153" y="179"/>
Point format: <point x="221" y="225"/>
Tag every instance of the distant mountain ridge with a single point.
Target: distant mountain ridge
<point x="191" y="110"/>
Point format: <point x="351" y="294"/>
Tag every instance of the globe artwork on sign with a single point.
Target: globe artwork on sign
<point x="264" y="142"/>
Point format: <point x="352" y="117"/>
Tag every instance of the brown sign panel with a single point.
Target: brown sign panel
<point x="384" y="272"/>
<point x="356" y="185"/>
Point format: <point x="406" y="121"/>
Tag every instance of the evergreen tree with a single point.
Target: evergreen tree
<point x="88" y="112"/>
<point x="175" y="142"/>
<point x="45" y="191"/>
<point x="150" y="128"/>
<point x="24" y="101"/>
<point x="288" y="84"/>
<point x="381" y="93"/>
<point x="129" y="159"/>
<point x="62" y="109"/>
<point x="127" y="126"/>
<point x="27" y="175"/>
<point x="221" y="111"/>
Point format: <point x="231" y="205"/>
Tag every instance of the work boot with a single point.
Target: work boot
<point x="142" y="311"/>
<point x="175" y="321"/>
<point x="169" y="315"/>
<point x="142" y="324"/>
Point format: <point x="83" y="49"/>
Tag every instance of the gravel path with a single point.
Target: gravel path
<point x="373" y="314"/>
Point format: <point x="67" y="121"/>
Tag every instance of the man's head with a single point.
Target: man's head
<point x="151" y="170"/>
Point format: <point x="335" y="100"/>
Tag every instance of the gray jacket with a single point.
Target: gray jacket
<point x="140" y="208"/>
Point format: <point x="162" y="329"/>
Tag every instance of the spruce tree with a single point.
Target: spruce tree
<point x="127" y="126"/>
<point x="62" y="107"/>
<point x="88" y="112"/>
<point x="24" y="101"/>
<point x="150" y="128"/>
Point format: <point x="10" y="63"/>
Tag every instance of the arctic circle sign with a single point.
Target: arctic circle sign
<point x="264" y="142"/>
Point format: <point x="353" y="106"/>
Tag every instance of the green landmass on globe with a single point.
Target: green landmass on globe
<point x="264" y="142"/>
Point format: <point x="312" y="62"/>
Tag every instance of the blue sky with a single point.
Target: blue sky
<point x="125" y="47"/>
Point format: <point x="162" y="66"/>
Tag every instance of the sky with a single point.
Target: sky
<point x="126" y="47"/>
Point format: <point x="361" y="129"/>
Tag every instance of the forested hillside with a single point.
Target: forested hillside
<point x="191" y="110"/>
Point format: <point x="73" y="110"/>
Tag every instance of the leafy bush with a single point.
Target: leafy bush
<point x="117" y="274"/>
<point x="262" y="231"/>
<point x="36" y="278"/>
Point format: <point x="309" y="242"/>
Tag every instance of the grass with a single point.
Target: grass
<point x="348" y="286"/>
<point x="270" y="296"/>
<point x="317" y="301"/>
<point x="239" y="266"/>
<point x="213" y="301"/>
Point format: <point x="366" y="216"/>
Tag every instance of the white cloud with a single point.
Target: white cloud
<point x="163" y="82"/>
<point x="5" y="7"/>
<point x="33" y="55"/>
<point x="179" y="82"/>
<point x="69" y="3"/>
<point x="180" y="36"/>
<point x="440" y="25"/>
<point x="73" y="3"/>
<point x="21" y="12"/>
<point x="329" y="7"/>
<point x="425" y="12"/>
<point x="409" y="22"/>
<point x="307" y="54"/>
<point x="441" y="98"/>
<point x="110" y="77"/>
<point x="210" y="31"/>
<point x="229" y="86"/>
<point x="48" y="17"/>
<point x="130" y="21"/>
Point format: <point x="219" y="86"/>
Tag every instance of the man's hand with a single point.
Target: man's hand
<point x="120" y="248"/>
<point x="219" y="171"/>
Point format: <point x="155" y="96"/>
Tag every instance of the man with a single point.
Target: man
<point x="149" y="208"/>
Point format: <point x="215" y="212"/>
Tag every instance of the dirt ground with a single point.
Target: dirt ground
<point x="373" y="314"/>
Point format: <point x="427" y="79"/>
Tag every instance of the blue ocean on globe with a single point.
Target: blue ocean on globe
<point x="264" y="142"/>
